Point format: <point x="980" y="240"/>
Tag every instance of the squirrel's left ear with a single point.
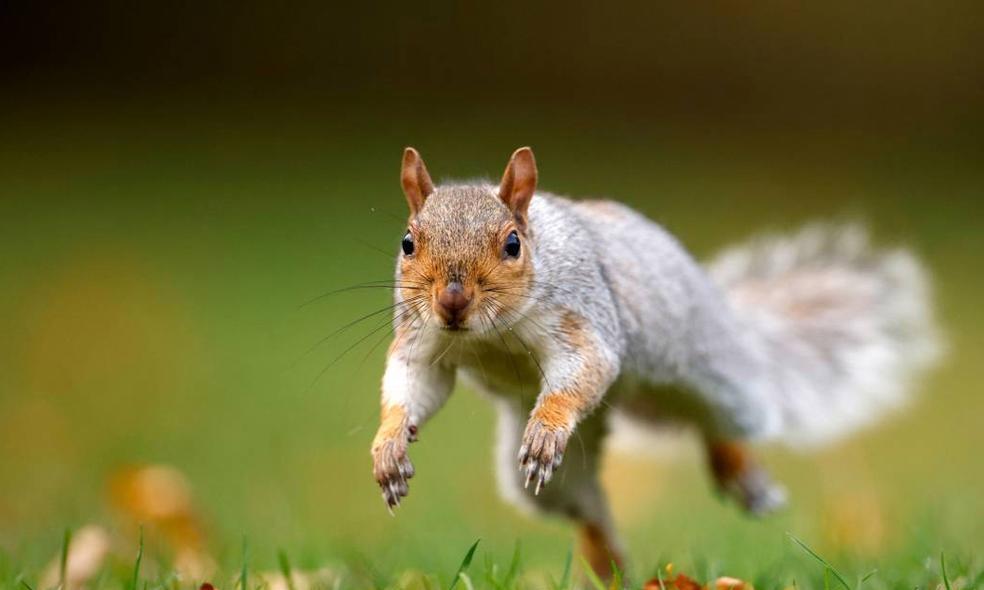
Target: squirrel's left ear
<point x="417" y="185"/>
<point x="519" y="183"/>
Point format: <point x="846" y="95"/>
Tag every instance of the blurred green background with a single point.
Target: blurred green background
<point x="177" y="180"/>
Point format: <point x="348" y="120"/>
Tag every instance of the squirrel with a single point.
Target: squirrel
<point x="576" y="316"/>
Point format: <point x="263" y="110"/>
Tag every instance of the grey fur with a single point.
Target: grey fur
<point x="795" y="339"/>
<point x="798" y="339"/>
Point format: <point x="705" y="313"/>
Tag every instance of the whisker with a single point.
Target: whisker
<point x="502" y="291"/>
<point x="419" y="334"/>
<point x="543" y="329"/>
<point x="374" y="248"/>
<point x="353" y="345"/>
<point x="388" y="213"/>
<point x="529" y="351"/>
<point x="512" y="361"/>
<point x="440" y="356"/>
<point x="354" y="322"/>
<point x="536" y="283"/>
<point x="390" y="332"/>
<point x="371" y="285"/>
<point x="478" y="357"/>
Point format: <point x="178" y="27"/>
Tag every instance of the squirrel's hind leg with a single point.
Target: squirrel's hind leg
<point x="740" y="476"/>
<point x="575" y="491"/>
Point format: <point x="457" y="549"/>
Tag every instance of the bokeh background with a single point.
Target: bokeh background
<point x="177" y="180"/>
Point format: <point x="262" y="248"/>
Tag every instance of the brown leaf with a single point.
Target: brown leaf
<point x="680" y="582"/>
<point x="726" y="583"/>
<point x="87" y="553"/>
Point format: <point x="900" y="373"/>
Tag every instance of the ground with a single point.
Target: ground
<point x="152" y="313"/>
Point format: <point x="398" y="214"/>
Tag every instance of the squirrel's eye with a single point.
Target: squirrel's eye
<point x="512" y="245"/>
<point x="407" y="244"/>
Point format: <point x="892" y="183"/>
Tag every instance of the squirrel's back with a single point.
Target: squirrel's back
<point x="802" y="338"/>
<point x="674" y="325"/>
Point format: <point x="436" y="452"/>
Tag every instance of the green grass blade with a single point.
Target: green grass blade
<point x="513" y="570"/>
<point x="244" y="571"/>
<point x="285" y="569"/>
<point x="592" y="576"/>
<point x="466" y="581"/>
<point x="491" y="573"/>
<point x="823" y="561"/>
<point x="565" y="578"/>
<point x="946" y="578"/>
<point x="464" y="564"/>
<point x="867" y="577"/>
<point x="136" y="565"/>
<point x="63" y="561"/>
<point x="616" y="577"/>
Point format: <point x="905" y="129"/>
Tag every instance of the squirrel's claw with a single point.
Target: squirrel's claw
<point x="392" y="468"/>
<point x="757" y="493"/>
<point x="541" y="453"/>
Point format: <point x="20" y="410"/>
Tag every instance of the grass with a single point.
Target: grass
<point x="153" y="311"/>
<point x="465" y="563"/>
<point x="903" y="572"/>
<point x="828" y="569"/>
<point x="135" y="581"/>
<point x="63" y="560"/>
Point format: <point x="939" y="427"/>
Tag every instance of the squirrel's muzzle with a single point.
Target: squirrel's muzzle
<point x="452" y="304"/>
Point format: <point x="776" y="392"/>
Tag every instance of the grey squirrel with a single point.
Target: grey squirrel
<point x="569" y="314"/>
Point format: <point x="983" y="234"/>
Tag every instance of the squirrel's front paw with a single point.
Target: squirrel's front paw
<point x="541" y="452"/>
<point x="392" y="468"/>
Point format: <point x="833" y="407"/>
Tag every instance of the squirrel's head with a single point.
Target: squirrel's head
<point x="465" y="260"/>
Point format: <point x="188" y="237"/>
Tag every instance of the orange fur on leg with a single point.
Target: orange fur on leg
<point x="392" y="423"/>
<point x="729" y="460"/>
<point x="739" y="475"/>
<point x="558" y="410"/>
<point x="596" y="549"/>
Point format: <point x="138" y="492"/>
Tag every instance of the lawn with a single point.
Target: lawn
<point x="157" y="258"/>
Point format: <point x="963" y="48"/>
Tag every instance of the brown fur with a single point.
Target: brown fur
<point x="397" y="342"/>
<point x="572" y="328"/>
<point x="740" y="476"/>
<point x="729" y="460"/>
<point x="594" y="546"/>
<point x="519" y="184"/>
<point x="557" y="410"/>
<point x="561" y="408"/>
<point x="459" y="236"/>
<point x="416" y="181"/>
<point x="392" y="425"/>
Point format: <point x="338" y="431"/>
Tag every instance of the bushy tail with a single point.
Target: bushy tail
<point x="845" y="328"/>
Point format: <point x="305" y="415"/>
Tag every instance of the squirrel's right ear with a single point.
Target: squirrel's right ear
<point x="519" y="183"/>
<point x="417" y="185"/>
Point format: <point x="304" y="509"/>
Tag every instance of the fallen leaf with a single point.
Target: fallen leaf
<point x="87" y="553"/>
<point x="300" y="579"/>
<point x="159" y="496"/>
<point x="726" y="583"/>
<point x="680" y="582"/>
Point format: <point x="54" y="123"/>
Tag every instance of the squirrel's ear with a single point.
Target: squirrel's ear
<point x="417" y="185"/>
<point x="519" y="183"/>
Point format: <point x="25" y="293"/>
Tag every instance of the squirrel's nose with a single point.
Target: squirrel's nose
<point x="453" y="301"/>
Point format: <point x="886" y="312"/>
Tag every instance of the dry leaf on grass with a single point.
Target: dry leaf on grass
<point x="726" y="583"/>
<point x="160" y="497"/>
<point x="300" y="579"/>
<point x="682" y="582"/>
<point x="87" y="553"/>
